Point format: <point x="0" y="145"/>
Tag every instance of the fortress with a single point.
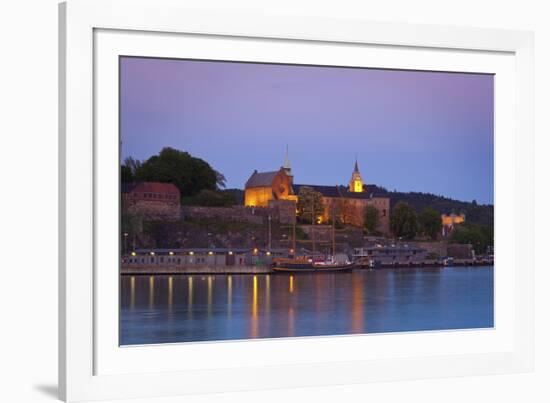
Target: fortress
<point x="277" y="188"/>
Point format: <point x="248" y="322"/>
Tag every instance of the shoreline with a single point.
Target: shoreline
<point x="152" y="270"/>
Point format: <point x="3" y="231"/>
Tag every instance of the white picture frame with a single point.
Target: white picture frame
<point x="92" y="366"/>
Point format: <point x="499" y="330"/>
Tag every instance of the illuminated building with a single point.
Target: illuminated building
<point x="348" y="204"/>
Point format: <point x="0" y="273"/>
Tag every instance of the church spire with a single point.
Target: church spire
<point x="286" y="165"/>
<point x="356" y="182"/>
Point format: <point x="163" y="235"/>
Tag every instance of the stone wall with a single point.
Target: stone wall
<point x="460" y="251"/>
<point x="283" y="211"/>
<point x="234" y="213"/>
<point x="352" y="211"/>
<point x="152" y="209"/>
<point x="437" y="248"/>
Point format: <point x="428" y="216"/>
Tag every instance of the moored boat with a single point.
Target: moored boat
<point x="307" y="264"/>
<point x="297" y="264"/>
<point x="331" y="265"/>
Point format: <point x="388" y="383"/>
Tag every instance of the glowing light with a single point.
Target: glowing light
<point x="268" y="253"/>
<point x="190" y="297"/>
<point x="170" y="292"/>
<point x="133" y="253"/>
<point x="230" y="252"/>
<point x="292" y="251"/>
<point x="255" y="251"/>
<point x="229" y="294"/>
<point x="209" y="295"/>
<point x="210" y="253"/>
<point x="291" y="284"/>
<point x="254" y="321"/>
<point x="191" y="253"/>
<point x="171" y="253"/>
<point x="152" y="253"/>
<point x="151" y="291"/>
<point x="132" y="292"/>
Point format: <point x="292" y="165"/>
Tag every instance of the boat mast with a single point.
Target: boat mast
<point x="294" y="237"/>
<point x="333" y="234"/>
<point x="313" y="223"/>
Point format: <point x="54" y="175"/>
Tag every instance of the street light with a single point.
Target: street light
<point x="125" y="243"/>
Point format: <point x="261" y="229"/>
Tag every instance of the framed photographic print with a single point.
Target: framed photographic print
<point x="255" y="201"/>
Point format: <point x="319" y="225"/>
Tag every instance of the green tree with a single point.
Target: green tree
<point x="132" y="164"/>
<point x="430" y="222"/>
<point x="403" y="221"/>
<point x="126" y="175"/>
<point x="210" y="198"/>
<point x="128" y="170"/>
<point x="372" y="220"/>
<point x="479" y="236"/>
<point x="309" y="201"/>
<point x="189" y="174"/>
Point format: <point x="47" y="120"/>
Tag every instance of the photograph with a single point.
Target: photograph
<point x="266" y="200"/>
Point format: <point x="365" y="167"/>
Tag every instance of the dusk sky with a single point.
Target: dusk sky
<point x="411" y="131"/>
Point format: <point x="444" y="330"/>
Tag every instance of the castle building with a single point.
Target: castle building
<point x="263" y="187"/>
<point x="347" y="204"/>
<point x="152" y="200"/>
<point x="448" y="222"/>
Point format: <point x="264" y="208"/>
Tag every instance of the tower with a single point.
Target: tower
<point x="356" y="183"/>
<point x="286" y="165"/>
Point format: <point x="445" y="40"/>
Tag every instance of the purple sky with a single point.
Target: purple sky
<point x="411" y="131"/>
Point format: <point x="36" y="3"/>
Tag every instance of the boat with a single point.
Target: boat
<point x="311" y="263"/>
<point x="330" y="265"/>
<point x="307" y="264"/>
<point x="296" y="264"/>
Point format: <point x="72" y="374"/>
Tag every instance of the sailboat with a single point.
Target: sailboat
<point x="309" y="263"/>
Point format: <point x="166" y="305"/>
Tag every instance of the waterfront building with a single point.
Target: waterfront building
<point x="152" y="200"/>
<point x="390" y="254"/>
<point x="201" y="257"/>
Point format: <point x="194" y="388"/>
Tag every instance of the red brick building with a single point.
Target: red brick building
<point x="152" y="200"/>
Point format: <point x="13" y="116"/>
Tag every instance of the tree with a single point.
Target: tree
<point x="210" y="198"/>
<point x="128" y="170"/>
<point x="479" y="236"/>
<point x="309" y="201"/>
<point x="126" y="175"/>
<point x="403" y="221"/>
<point x="189" y="174"/>
<point x="372" y="220"/>
<point x="132" y="164"/>
<point x="430" y="222"/>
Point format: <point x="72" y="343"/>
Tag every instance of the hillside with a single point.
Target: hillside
<point x="481" y="214"/>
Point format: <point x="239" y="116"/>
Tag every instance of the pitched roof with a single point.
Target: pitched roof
<point x="260" y="179"/>
<point x="150" y="187"/>
<point x="338" y="191"/>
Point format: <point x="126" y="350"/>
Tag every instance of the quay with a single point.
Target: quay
<point x="200" y="261"/>
<point x="154" y="270"/>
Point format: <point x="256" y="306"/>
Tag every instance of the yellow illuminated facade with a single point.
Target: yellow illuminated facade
<point x="448" y="220"/>
<point x="356" y="182"/>
<point x="265" y="186"/>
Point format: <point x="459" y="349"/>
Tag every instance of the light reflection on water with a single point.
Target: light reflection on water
<point x="178" y="308"/>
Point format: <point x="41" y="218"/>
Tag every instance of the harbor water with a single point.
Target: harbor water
<point x="192" y="308"/>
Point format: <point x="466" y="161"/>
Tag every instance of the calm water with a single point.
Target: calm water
<point x="162" y="309"/>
